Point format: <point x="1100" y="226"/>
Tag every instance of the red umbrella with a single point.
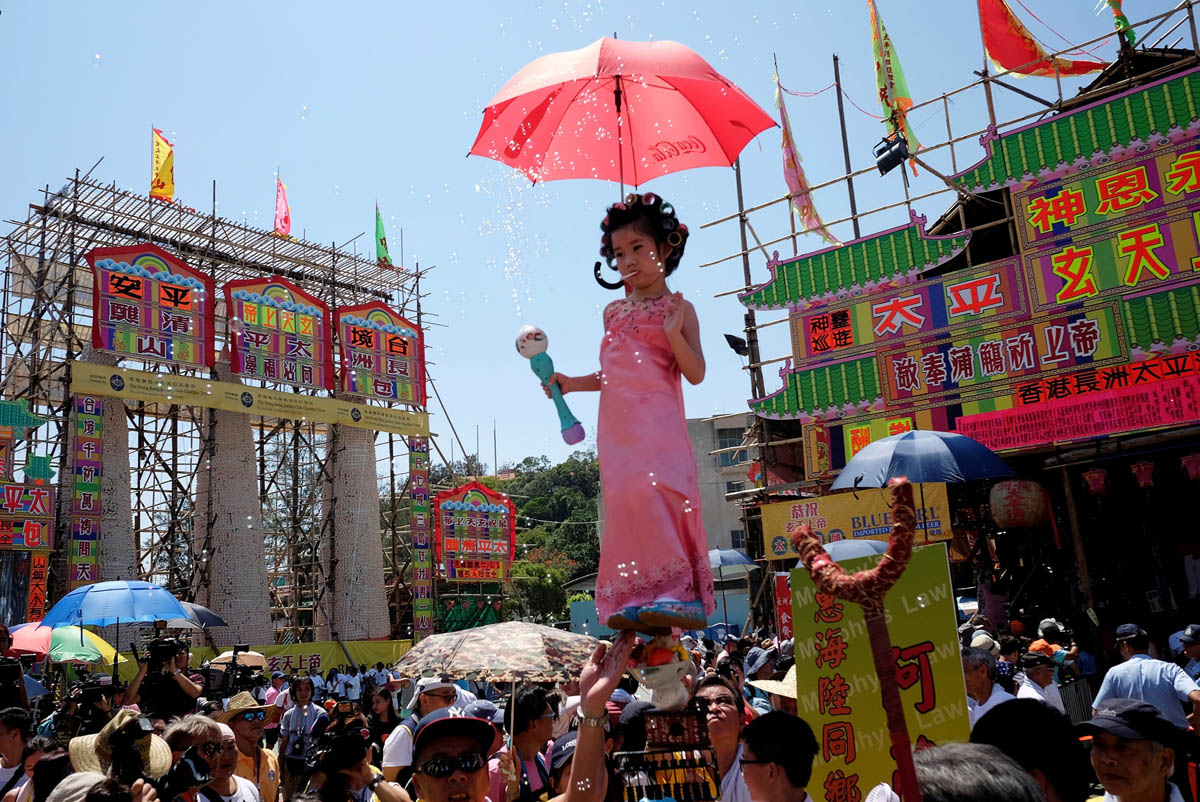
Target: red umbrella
<point x="618" y="111"/>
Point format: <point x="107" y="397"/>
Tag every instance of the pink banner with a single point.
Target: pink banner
<point x="1165" y="403"/>
<point x="783" y="606"/>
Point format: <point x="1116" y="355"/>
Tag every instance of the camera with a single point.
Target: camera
<point x="189" y="772"/>
<point x="342" y="746"/>
<point x="126" y="756"/>
<point x="161" y="652"/>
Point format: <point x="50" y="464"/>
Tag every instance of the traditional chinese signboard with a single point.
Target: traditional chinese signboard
<point x="26" y="517"/>
<point x="476" y="533"/>
<point x="1101" y="300"/>
<point x="83" y="555"/>
<point x="783" y="606"/>
<point x="279" y="333"/>
<point x="150" y="305"/>
<point x="864" y="515"/>
<point x="422" y="537"/>
<point x="838" y="690"/>
<point x="382" y="354"/>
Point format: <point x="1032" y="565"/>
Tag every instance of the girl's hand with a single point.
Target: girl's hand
<point x="602" y="673"/>
<point x="508" y="770"/>
<point x="673" y="323"/>
<point x="560" y="380"/>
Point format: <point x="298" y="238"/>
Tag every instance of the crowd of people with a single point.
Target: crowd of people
<point x="441" y="739"/>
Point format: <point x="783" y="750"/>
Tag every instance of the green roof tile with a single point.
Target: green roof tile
<point x="1155" y="321"/>
<point x="880" y="258"/>
<point x="1063" y="144"/>
<point x="16" y="415"/>
<point x="807" y="392"/>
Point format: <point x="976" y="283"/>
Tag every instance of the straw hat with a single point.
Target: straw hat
<point x="245" y="703"/>
<point x="93" y="752"/>
<point x="784" y="687"/>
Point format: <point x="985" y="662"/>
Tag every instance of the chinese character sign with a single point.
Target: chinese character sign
<point x="83" y="555"/>
<point x="783" y="606"/>
<point x="422" y="537"/>
<point x="279" y="333"/>
<point x="149" y="305"/>
<point x="382" y="354"/>
<point x="838" y="690"/>
<point x="476" y="533"/>
<point x="842" y="516"/>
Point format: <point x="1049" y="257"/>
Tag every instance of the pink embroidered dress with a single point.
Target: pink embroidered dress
<point x="653" y="542"/>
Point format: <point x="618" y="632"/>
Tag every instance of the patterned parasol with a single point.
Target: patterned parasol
<point x="513" y="651"/>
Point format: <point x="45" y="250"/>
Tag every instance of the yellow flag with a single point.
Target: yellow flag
<point x="162" y="168"/>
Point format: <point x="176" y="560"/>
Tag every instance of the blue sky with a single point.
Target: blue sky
<point x="365" y="102"/>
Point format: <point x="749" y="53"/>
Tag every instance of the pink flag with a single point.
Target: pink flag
<point x="283" y="215"/>
<point x="797" y="182"/>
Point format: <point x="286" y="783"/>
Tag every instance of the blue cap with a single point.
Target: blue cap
<point x="1191" y="634"/>
<point x="564" y="750"/>
<point x="756" y="658"/>
<point x="481" y="708"/>
<point x="1133" y="720"/>
<point x="1128" y="631"/>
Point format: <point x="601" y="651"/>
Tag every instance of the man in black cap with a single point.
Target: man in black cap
<point x="1157" y="682"/>
<point x="1039" y="681"/>
<point x="1133" y="751"/>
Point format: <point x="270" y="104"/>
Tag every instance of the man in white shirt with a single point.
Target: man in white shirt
<point x="1039" y="681"/>
<point x="1133" y="751"/>
<point x="15" y="729"/>
<point x="350" y="685"/>
<point x="777" y="758"/>
<point x="380" y="675"/>
<point x="978" y="666"/>
<point x="318" y="681"/>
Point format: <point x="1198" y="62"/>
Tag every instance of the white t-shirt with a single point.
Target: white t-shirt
<point x="1173" y="795"/>
<point x="998" y="696"/>
<point x="246" y="792"/>
<point x="6" y="775"/>
<point x="1049" y="695"/>
<point x="350" y="687"/>
<point x="398" y="748"/>
<point x="733" y="785"/>
<point x="382" y="677"/>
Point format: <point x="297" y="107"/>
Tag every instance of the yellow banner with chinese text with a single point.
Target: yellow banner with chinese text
<point x="164" y="388"/>
<point x="861" y="515"/>
<point x="837" y="687"/>
<point x="298" y="658"/>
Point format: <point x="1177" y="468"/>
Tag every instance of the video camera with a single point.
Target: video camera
<point x="343" y="745"/>
<point x="232" y="679"/>
<point x="160" y="652"/>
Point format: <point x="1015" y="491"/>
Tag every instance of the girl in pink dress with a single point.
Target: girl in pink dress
<point x="654" y="570"/>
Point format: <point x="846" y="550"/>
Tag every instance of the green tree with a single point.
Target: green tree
<point x="538" y="592"/>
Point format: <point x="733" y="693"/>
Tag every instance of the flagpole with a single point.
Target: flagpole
<point x="987" y="85"/>
<point x="837" y="84"/>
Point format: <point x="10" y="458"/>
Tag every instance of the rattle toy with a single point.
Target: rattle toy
<point x="532" y="344"/>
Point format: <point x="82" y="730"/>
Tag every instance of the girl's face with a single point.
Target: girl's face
<point x="637" y="257"/>
<point x="379" y="704"/>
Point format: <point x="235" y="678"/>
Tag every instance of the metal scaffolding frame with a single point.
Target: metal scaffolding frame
<point x="45" y="325"/>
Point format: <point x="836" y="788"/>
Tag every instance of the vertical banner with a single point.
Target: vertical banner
<point x="838" y="690"/>
<point x="152" y="306"/>
<point x="382" y="354"/>
<point x="83" y="558"/>
<point x="422" y="537"/>
<point x="783" y="606"/>
<point x="475" y="533"/>
<point x="35" y="603"/>
<point x="162" y="168"/>
<point x="279" y="333"/>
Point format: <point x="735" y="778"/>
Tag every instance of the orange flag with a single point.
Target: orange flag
<point x="162" y="167"/>
<point x="283" y="214"/>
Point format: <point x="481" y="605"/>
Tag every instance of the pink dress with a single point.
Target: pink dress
<point x="653" y="542"/>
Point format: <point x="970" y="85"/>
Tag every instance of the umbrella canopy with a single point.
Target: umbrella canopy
<point x="618" y="111"/>
<point x="62" y="644"/>
<point x="118" y="602"/>
<point x="33" y="688"/>
<point x="921" y="456"/>
<point x="252" y="659"/>
<point x="513" y="651"/>
<point x="730" y="563"/>
<point x="198" y="617"/>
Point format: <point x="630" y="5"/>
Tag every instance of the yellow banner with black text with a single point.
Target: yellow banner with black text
<point x="167" y="388"/>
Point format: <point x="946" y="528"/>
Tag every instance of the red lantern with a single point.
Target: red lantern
<point x="1096" y="480"/>
<point x="1018" y="503"/>
<point x="1192" y="463"/>
<point x="1144" y="473"/>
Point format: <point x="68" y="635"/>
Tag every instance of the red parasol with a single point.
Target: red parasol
<point x="618" y="111"/>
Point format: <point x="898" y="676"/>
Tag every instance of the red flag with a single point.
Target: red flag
<point x="283" y="215"/>
<point x="1011" y="46"/>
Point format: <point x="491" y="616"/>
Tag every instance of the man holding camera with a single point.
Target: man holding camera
<point x="248" y="719"/>
<point x="167" y="691"/>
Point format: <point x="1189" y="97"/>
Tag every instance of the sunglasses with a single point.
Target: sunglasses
<point x="442" y="767"/>
<point x="211" y="749"/>
<point x="254" y="715"/>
